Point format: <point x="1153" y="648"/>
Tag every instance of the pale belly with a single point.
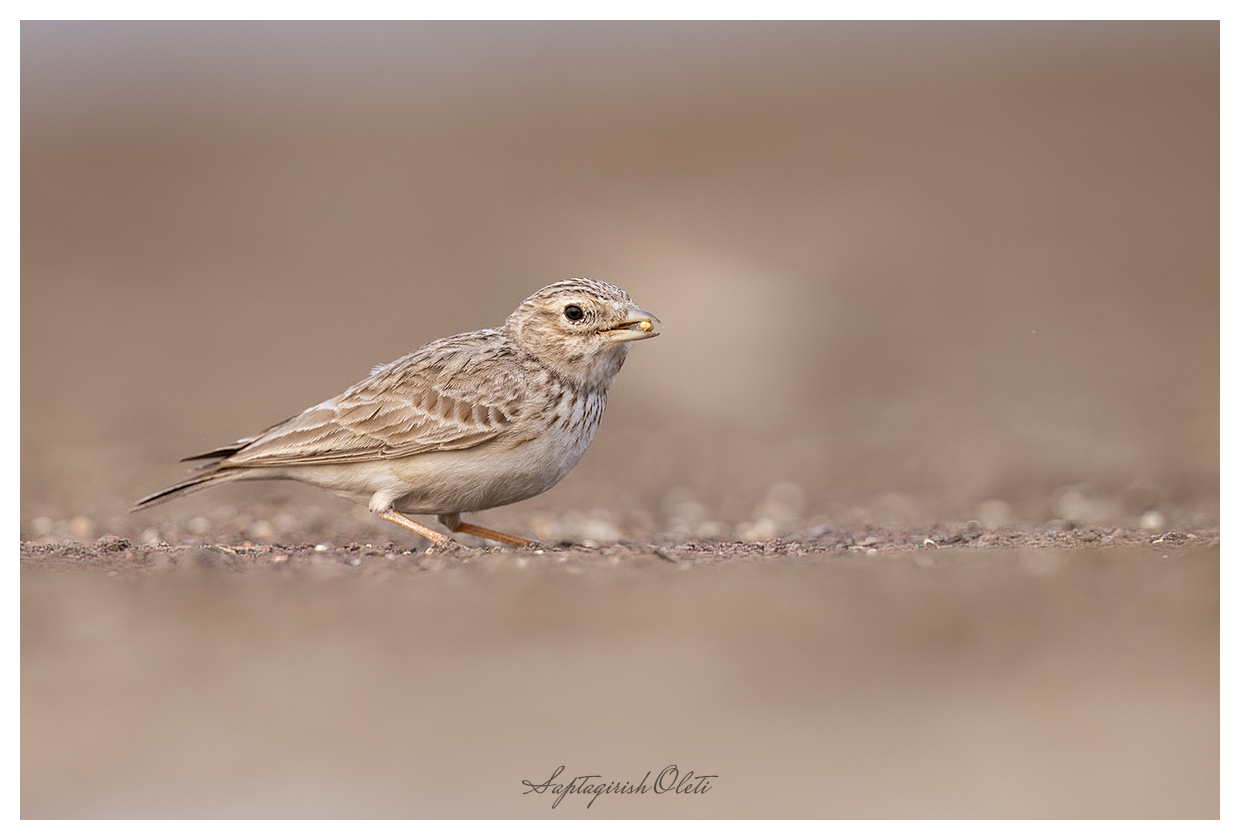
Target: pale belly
<point x="494" y="474"/>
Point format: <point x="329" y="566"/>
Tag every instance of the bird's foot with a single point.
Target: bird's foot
<point x="454" y="523"/>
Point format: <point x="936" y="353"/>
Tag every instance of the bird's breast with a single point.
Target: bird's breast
<point x="529" y="458"/>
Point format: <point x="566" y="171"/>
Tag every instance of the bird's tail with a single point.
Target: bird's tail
<point x="209" y="473"/>
<point x="189" y="485"/>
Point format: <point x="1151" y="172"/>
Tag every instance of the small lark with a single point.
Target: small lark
<point x="464" y="424"/>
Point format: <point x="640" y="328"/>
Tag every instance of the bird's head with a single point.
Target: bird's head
<point x="580" y="328"/>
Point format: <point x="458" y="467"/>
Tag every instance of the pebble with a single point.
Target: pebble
<point x="599" y="530"/>
<point x="760" y="531"/>
<point x="1152" y="520"/>
<point x="260" y="529"/>
<point x="995" y="513"/>
<point x="1079" y="505"/>
<point x="687" y="516"/>
<point x="596" y="526"/>
<point x="82" y="527"/>
<point x="111" y="542"/>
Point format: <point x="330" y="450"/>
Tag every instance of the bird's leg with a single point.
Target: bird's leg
<point x="453" y="522"/>
<point x="488" y="534"/>
<point x="437" y="538"/>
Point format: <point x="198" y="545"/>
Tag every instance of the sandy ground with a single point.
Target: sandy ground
<point x="800" y="678"/>
<point x="912" y="509"/>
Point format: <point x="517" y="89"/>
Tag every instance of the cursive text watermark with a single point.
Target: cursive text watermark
<point x="669" y="780"/>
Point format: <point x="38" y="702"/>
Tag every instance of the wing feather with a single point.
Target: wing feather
<point x="455" y="393"/>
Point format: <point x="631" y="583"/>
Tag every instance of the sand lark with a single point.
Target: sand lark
<point x="463" y="424"/>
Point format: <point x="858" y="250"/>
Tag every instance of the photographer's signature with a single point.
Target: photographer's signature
<point x="669" y="780"/>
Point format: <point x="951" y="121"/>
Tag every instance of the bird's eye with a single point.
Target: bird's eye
<point x="573" y="312"/>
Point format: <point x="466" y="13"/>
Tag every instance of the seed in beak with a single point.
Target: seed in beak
<point x="646" y="326"/>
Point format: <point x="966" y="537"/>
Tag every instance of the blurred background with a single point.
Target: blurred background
<point x="907" y="272"/>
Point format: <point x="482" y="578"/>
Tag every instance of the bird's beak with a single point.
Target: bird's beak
<point x="637" y="324"/>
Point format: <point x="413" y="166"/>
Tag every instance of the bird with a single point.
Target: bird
<point x="463" y="424"/>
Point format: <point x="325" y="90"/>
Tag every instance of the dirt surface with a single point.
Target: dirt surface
<point x="119" y="556"/>
<point x="1064" y="675"/>
<point x="912" y="509"/>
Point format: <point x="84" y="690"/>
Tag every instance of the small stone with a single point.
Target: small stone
<point x="111" y="542"/>
<point x="1079" y="505"/>
<point x="82" y="527"/>
<point x="42" y="525"/>
<point x="261" y="529"/>
<point x="321" y="548"/>
<point x="760" y="531"/>
<point x="1152" y="520"/>
<point x="599" y="530"/>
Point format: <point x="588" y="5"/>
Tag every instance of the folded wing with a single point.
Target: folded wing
<point x="427" y="401"/>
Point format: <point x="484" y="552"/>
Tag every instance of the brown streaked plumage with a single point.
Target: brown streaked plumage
<point x="466" y="423"/>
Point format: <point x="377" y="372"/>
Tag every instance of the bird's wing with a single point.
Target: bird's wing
<point x="451" y="394"/>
